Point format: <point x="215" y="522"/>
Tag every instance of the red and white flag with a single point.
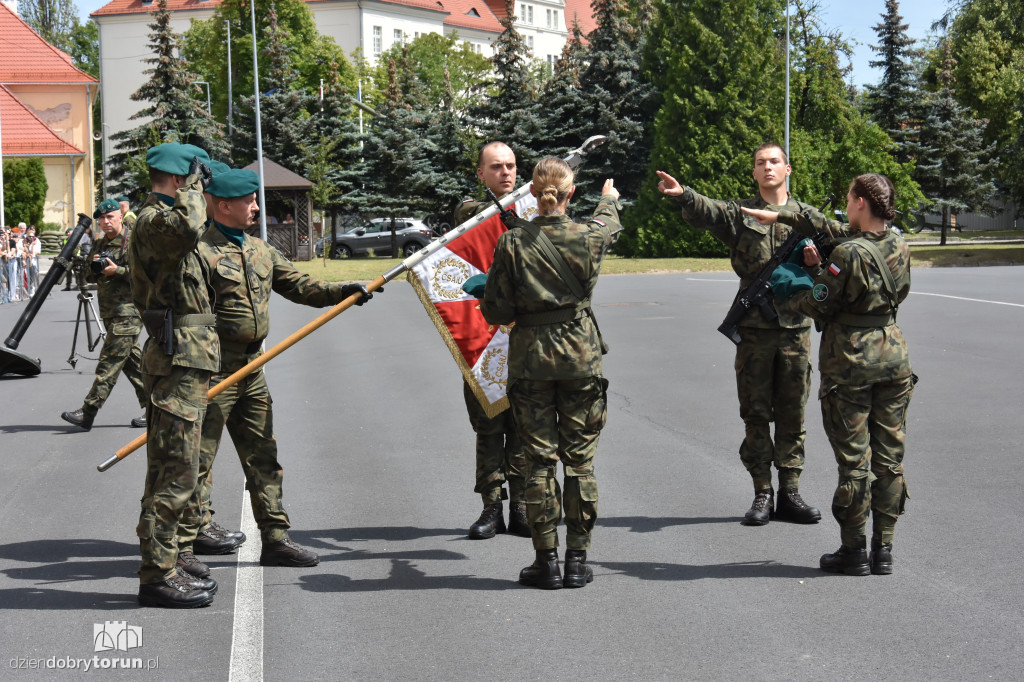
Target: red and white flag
<point x="480" y="349"/>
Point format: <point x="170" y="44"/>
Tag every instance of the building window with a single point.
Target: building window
<point x="527" y="14"/>
<point x="551" y="61"/>
<point x="547" y="17"/>
<point x="378" y="40"/>
<point x="529" y="42"/>
<point x="398" y="36"/>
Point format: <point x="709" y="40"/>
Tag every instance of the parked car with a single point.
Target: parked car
<point x="375" y="238"/>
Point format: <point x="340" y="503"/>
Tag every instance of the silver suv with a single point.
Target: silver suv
<point x="375" y="238"/>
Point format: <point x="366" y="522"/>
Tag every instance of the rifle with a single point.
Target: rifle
<point x="757" y="293"/>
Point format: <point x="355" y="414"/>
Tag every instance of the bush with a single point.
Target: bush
<point x="24" y="191"/>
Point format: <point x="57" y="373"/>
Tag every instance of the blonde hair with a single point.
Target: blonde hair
<point x="552" y="180"/>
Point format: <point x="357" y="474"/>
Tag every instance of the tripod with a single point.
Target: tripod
<point x="87" y="311"/>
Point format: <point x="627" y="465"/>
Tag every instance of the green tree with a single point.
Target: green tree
<point x="84" y="47"/>
<point x="958" y="175"/>
<point x="24" y="191"/>
<point x="561" y="108"/>
<point x="311" y="54"/>
<point x="894" y="104"/>
<point x="722" y="90"/>
<point x="285" y="110"/>
<point x="452" y="158"/>
<point x="53" y="20"/>
<point x="506" y="112"/>
<point x="620" y="102"/>
<point x="175" y="112"/>
<point x="987" y="41"/>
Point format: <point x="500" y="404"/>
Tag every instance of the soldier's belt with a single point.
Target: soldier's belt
<point x="552" y="316"/>
<point x="197" y="320"/>
<point x="868" y="321"/>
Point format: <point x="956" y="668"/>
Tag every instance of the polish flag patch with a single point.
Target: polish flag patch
<point x="834" y="269"/>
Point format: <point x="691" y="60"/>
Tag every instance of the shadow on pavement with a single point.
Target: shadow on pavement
<point x="41" y="551"/>
<point x="654" y="570"/>
<point x="404" y="576"/>
<point x="647" y="524"/>
<point x="74" y="571"/>
<point x="35" y="599"/>
<point x="315" y="538"/>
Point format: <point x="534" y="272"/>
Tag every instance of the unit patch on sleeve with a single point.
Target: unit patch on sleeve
<point x="820" y="292"/>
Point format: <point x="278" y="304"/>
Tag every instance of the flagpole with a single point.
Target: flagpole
<point x="259" y="132"/>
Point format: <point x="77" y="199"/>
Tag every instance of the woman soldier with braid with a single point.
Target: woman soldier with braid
<point x="542" y="278"/>
<point x="866" y="380"/>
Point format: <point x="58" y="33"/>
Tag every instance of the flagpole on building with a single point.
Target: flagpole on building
<point x="259" y="132"/>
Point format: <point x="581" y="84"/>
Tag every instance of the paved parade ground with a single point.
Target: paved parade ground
<point x="379" y="471"/>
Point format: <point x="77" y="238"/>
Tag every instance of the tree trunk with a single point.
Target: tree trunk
<point x="945" y="222"/>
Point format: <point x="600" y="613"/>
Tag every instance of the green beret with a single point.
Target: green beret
<point x="174" y="158"/>
<point x="216" y="167"/>
<point x="123" y="198"/>
<point x="106" y="206"/>
<point x="236" y="182"/>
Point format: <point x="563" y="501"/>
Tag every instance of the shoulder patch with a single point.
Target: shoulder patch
<point x="599" y="222"/>
<point x="833" y="269"/>
<point x="466" y="201"/>
<point x="820" y="292"/>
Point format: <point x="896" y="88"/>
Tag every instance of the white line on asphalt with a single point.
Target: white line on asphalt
<point x="247" y="631"/>
<point x="974" y="300"/>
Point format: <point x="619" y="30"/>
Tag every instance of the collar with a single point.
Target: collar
<point x="233" y="235"/>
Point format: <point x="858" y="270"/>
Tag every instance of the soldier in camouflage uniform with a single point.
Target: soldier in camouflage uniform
<point x="499" y="454"/>
<point x="127" y="214"/>
<point x="555" y="387"/>
<point x="170" y="282"/>
<point x="773" y="365"/>
<point x="120" y="352"/>
<point x="243" y="271"/>
<point x="866" y="379"/>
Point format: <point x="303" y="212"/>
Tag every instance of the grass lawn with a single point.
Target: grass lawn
<point x="922" y="255"/>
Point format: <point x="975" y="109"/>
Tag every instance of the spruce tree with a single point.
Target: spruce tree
<point x="894" y="104"/>
<point x="723" y="94"/>
<point x="620" y="102"/>
<point x="507" y="114"/>
<point x="285" y="109"/>
<point x="175" y="112"/>
<point x="561" y="108"/>
<point x="957" y="174"/>
<point x="452" y="159"/>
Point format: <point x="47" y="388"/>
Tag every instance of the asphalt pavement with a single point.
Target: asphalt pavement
<point x="379" y="472"/>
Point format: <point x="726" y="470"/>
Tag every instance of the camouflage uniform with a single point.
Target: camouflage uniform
<point x="773" y="359"/>
<point x="558" y="396"/>
<point x="167" y="273"/>
<point x="120" y="353"/>
<point x="499" y="454"/>
<point x="866" y="379"/>
<point x="242" y="279"/>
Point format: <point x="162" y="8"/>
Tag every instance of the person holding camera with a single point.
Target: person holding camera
<point x="108" y="267"/>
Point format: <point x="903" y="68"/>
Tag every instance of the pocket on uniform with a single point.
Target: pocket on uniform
<point x="831" y="414"/>
<point x="126" y="326"/>
<point x="588" y="488"/>
<point x="844" y="495"/>
<point x="597" y="416"/>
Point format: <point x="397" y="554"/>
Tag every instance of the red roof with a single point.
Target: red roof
<point x="475" y="14"/>
<point x="581" y="11"/>
<point x="27" y="58"/>
<point x="138" y="6"/>
<point x="25" y="134"/>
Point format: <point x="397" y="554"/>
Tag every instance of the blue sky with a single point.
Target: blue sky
<point x="853" y="19"/>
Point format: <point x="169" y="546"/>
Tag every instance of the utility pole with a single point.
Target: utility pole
<point x="228" y="24"/>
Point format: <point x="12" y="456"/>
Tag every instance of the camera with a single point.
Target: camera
<point x="100" y="262"/>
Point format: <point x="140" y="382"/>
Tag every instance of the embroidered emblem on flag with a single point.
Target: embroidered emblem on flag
<point x="834" y="269"/>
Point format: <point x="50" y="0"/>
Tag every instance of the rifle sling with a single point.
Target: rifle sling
<point x="537" y="237"/>
<point x="880" y="320"/>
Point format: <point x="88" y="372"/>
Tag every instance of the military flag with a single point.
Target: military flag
<point x="480" y="349"/>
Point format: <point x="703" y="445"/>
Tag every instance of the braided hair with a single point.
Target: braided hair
<point x="552" y="179"/>
<point x="878" y="191"/>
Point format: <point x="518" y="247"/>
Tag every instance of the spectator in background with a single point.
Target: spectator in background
<point x="32" y="250"/>
<point x="5" y="295"/>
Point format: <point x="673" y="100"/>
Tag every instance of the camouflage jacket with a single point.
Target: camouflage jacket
<point x="750" y="244"/>
<point x="114" y="292"/>
<point x="242" y="279"/>
<point x="522" y="281"/>
<point x="850" y="283"/>
<point x="166" y="272"/>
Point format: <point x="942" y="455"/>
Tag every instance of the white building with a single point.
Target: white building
<point x="373" y="25"/>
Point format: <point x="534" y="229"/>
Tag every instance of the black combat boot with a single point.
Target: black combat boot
<point x="762" y="510"/>
<point x="173" y="593"/>
<point x="208" y="584"/>
<point x="233" y="534"/>
<point x="881" y="559"/>
<point x="791" y="507"/>
<point x="517" y="523"/>
<point x="577" y="573"/>
<point x="846" y="560"/>
<point x="287" y="553"/>
<point x="543" y="573"/>
<point x="139" y="422"/>
<point x="81" y="418"/>
<point x="491" y="521"/>
<point x="211" y="541"/>
<point x="188" y="563"/>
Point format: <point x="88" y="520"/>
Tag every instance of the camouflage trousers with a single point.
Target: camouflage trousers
<point x="867" y="427"/>
<point x="247" y="410"/>
<point x="499" y="454"/>
<point x="560" y="421"/>
<point x="773" y="379"/>
<point x="120" y="353"/>
<point x="174" y="417"/>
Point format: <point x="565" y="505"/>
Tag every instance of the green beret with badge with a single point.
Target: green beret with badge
<point x="236" y="182"/>
<point x="123" y="198"/>
<point x="174" y="157"/>
<point x="106" y="206"/>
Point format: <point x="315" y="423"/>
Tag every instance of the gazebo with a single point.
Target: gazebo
<point x="292" y="231"/>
